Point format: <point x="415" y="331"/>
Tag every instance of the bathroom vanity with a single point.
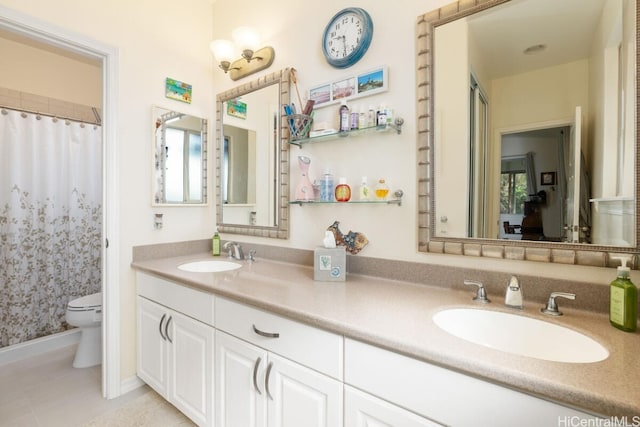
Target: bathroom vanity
<point x="267" y="343"/>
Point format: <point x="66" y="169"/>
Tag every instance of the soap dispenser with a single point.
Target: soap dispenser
<point x="215" y="243"/>
<point x="623" y="299"/>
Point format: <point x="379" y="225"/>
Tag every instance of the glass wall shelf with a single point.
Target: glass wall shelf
<point x="397" y="126"/>
<point x="396" y="201"/>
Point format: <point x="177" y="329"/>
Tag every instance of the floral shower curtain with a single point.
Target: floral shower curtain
<point x="50" y="221"/>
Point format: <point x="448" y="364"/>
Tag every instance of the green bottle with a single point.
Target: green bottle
<point x="215" y="244"/>
<point x="623" y="300"/>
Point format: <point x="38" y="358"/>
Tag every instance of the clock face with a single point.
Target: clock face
<point x="347" y="37"/>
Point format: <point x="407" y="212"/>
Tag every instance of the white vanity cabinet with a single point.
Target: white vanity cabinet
<point x="445" y="396"/>
<point x="274" y="372"/>
<point x="176" y="350"/>
<point x="365" y="410"/>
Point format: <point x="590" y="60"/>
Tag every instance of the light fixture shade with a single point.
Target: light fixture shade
<point x="223" y="50"/>
<point x="246" y="38"/>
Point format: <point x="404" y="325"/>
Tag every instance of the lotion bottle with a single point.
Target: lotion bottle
<point x="371" y="116"/>
<point x="623" y="299"/>
<point x="215" y="244"/>
<point x="365" y="191"/>
<point x="343" y="191"/>
<point x="326" y="187"/>
<point x="344" y="117"/>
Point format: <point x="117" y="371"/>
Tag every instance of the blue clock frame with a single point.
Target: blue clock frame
<point x="364" y="42"/>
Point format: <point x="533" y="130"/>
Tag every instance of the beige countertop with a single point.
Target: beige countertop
<point x="398" y="316"/>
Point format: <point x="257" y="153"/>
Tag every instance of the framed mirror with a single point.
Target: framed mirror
<point x="252" y="162"/>
<point x="179" y="159"/>
<point x="543" y="125"/>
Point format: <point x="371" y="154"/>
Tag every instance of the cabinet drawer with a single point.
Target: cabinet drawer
<point x="307" y="345"/>
<point x="439" y="394"/>
<point x="193" y="303"/>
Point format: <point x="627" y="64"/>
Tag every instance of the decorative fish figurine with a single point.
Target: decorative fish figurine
<point x="353" y="241"/>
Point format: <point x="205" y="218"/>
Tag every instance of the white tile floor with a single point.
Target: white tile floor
<point x="46" y="391"/>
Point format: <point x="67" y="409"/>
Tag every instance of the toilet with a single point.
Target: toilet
<point x="86" y="314"/>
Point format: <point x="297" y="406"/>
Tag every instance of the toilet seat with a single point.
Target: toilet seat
<point x="86" y="303"/>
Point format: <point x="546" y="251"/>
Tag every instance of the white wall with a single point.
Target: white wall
<point x="156" y="39"/>
<point x="160" y="38"/>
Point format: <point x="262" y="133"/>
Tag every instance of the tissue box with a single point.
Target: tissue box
<point x="330" y="265"/>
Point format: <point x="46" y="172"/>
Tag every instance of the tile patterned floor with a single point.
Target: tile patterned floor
<point x="46" y="391"/>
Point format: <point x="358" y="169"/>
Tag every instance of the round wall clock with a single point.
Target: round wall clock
<point x="347" y="37"/>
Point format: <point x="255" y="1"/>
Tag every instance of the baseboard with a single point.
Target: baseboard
<point x="39" y="346"/>
<point x="130" y="384"/>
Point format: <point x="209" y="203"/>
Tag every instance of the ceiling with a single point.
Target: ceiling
<point x="502" y="33"/>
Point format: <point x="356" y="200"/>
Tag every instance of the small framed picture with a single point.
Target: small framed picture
<point x="371" y="82"/>
<point x="548" y="178"/>
<point x="178" y="90"/>
<point x="237" y="108"/>
<point x="321" y="94"/>
<point x="343" y="89"/>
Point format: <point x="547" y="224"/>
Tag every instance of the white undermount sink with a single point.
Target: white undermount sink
<point x="209" y="266"/>
<point x="516" y="334"/>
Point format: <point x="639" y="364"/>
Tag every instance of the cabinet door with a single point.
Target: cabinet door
<point x="240" y="391"/>
<point x="191" y="348"/>
<point x="364" y="410"/>
<point x="152" y="352"/>
<point x="299" y="396"/>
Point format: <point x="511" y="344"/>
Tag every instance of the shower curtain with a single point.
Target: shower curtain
<point x="50" y="221"/>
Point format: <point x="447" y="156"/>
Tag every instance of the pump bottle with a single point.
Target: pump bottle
<point x="215" y="244"/>
<point x="623" y="299"/>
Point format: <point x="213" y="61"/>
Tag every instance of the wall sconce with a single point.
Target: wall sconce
<point x="252" y="59"/>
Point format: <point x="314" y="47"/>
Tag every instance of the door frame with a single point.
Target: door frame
<point x="47" y="33"/>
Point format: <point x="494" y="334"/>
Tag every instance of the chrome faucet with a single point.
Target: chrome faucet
<point x="235" y="250"/>
<point x="552" y="306"/>
<point x="513" y="297"/>
<point x="481" y="292"/>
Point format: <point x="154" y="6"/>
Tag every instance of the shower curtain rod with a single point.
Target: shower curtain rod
<point x="98" y="120"/>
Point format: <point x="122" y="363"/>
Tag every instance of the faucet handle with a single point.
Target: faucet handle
<point x="552" y="307"/>
<point x="481" y="293"/>
<point x="229" y="246"/>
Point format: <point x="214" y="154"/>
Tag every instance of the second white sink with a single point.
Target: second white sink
<point x="209" y="266"/>
<point x="520" y="335"/>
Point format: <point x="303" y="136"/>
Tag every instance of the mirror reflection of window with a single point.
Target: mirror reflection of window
<point x="183" y="165"/>
<point x="180" y="156"/>
<point x="194" y="166"/>
<point x="513" y="186"/>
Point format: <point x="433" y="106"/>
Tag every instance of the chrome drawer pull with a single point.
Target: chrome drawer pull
<point x="266" y="381"/>
<point x="255" y="375"/>
<point x="265" y="334"/>
<point x="160" y="326"/>
<point x="166" y="329"/>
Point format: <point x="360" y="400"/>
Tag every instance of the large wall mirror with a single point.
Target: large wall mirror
<point x="180" y="158"/>
<point x="252" y="192"/>
<point x="536" y="101"/>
